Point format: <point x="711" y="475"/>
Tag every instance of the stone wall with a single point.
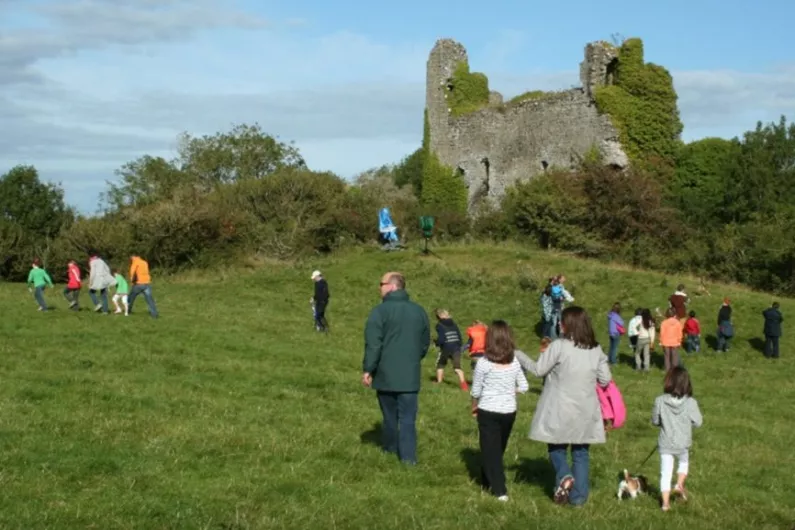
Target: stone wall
<point x="500" y="144"/>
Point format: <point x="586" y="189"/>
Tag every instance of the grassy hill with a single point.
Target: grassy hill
<point x="229" y="412"/>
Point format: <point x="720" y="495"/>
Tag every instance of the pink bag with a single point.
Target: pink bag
<point x="612" y="403"/>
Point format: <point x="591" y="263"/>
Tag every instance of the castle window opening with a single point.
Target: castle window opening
<point x="610" y="72"/>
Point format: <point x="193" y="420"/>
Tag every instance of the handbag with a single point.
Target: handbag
<point x="620" y="329"/>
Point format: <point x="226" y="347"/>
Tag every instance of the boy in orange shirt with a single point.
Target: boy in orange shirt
<point x="477" y="341"/>
<point x="671" y="338"/>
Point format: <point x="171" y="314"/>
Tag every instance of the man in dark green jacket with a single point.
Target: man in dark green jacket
<point x="773" y="320"/>
<point x="396" y="338"/>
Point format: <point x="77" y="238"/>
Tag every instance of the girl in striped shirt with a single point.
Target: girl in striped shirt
<point x="497" y="379"/>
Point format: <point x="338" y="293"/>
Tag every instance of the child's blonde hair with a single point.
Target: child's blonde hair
<point x="442" y="313"/>
<point x="545" y="342"/>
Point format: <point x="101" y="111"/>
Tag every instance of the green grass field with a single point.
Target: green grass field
<point x="229" y="412"/>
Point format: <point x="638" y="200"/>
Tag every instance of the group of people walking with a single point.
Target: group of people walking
<point x="680" y="327"/>
<point x="568" y="416"/>
<point x="100" y="280"/>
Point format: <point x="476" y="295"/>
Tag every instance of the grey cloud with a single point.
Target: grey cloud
<point x="96" y="24"/>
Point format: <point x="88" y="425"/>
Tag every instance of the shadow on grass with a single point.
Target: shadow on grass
<point x="471" y="459"/>
<point x="757" y="344"/>
<point x="711" y="341"/>
<point x="537" y="471"/>
<point x="373" y="436"/>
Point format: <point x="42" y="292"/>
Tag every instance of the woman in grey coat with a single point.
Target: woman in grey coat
<point x="568" y="411"/>
<point x="100" y="278"/>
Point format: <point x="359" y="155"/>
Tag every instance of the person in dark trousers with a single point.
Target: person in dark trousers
<point x="773" y="320"/>
<point x="448" y="339"/>
<point x="320" y="300"/>
<point x="397" y="336"/>
<point x="725" y="327"/>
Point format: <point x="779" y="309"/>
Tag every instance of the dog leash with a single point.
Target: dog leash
<point x="647" y="458"/>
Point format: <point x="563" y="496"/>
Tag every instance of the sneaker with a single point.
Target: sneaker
<point x="98" y="308"/>
<point x="72" y="304"/>
<point x="502" y="498"/>
<point x="562" y="492"/>
<point x="665" y="507"/>
<point x="117" y="312"/>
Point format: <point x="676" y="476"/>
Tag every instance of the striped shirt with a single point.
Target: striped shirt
<point x="495" y="386"/>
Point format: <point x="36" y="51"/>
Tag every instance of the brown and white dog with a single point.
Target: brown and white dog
<point x="632" y="485"/>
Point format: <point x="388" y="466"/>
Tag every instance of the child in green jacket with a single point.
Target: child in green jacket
<point x="122" y="292"/>
<point x="39" y="279"/>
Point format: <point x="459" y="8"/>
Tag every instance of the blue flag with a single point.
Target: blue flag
<point x="386" y="226"/>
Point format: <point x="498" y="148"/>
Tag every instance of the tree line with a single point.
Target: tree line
<point x="723" y="209"/>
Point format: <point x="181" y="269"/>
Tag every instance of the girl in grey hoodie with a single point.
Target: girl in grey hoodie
<point x="676" y="413"/>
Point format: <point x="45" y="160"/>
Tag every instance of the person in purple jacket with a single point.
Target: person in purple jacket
<point x="615" y="328"/>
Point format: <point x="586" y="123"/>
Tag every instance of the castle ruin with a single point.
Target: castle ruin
<point x="495" y="146"/>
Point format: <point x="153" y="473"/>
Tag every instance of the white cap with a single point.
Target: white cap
<point x="315" y="274"/>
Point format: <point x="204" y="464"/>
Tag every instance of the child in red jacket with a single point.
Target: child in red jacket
<point x="73" y="285"/>
<point x="692" y="331"/>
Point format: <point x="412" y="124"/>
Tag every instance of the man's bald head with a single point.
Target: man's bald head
<point x="392" y="281"/>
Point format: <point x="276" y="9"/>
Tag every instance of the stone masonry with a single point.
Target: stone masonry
<point x="499" y="145"/>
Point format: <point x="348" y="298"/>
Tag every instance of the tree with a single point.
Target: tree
<point x="410" y="171"/>
<point x="144" y="181"/>
<point x="244" y="153"/>
<point x="38" y="208"/>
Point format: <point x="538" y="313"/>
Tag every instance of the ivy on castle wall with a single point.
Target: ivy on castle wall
<point x="443" y="191"/>
<point x="470" y="90"/>
<point x="642" y="105"/>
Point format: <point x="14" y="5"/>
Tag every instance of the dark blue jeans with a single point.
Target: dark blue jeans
<point x="72" y="296"/>
<point x="399" y="430"/>
<point x="558" y="455"/>
<point x="103" y="295"/>
<point x="723" y="342"/>
<point x="612" y="356"/>
<point x="771" y="346"/>
<point x="146" y="290"/>
<point x="38" y="294"/>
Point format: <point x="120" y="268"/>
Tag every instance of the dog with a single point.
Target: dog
<point x="632" y="485"/>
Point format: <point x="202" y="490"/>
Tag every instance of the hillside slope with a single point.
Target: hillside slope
<point x="230" y="412"/>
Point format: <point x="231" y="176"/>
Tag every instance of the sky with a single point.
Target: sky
<point x="88" y="85"/>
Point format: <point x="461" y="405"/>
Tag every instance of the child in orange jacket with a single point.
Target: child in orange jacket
<point x="671" y="338"/>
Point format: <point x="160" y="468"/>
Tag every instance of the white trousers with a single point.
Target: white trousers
<point x="117" y="297"/>
<point x="667" y="468"/>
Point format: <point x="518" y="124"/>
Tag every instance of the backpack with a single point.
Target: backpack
<point x="557" y="293"/>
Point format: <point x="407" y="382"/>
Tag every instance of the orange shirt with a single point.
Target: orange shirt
<point x="671" y="333"/>
<point x="478" y="335"/>
<point x="139" y="272"/>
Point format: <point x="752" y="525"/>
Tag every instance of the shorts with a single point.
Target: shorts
<point x="446" y="355"/>
<point x="122" y="297"/>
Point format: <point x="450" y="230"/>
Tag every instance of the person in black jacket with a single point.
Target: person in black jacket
<point x="448" y="340"/>
<point x="320" y="300"/>
<point x="773" y="320"/>
<point x="725" y="327"/>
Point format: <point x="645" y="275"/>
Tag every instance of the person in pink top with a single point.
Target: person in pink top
<point x="73" y="285"/>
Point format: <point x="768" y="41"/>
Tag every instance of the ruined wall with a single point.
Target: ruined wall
<point x="494" y="147"/>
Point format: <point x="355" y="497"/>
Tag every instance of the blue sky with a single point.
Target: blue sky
<point x="87" y="85"/>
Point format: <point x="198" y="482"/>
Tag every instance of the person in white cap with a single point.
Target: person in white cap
<point x="320" y="301"/>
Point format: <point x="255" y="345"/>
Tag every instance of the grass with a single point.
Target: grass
<point x="230" y="413"/>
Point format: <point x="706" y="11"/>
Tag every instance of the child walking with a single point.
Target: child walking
<point x="448" y="339"/>
<point x="122" y="292"/>
<point x="692" y="334"/>
<point x="632" y="330"/>
<point x="671" y="338"/>
<point x="39" y="279"/>
<point x="73" y="284"/>
<point x="676" y="412"/>
<point x="498" y="377"/>
<point x="476" y="342"/>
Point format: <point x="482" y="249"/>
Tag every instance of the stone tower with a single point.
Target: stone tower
<point x="503" y="143"/>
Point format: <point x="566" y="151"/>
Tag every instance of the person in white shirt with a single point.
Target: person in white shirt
<point x="632" y="329"/>
<point x="497" y="378"/>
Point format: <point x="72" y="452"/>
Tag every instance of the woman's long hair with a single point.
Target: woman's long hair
<point x="577" y="327"/>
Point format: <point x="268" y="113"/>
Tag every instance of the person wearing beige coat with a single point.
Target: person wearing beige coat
<point x="568" y="412"/>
